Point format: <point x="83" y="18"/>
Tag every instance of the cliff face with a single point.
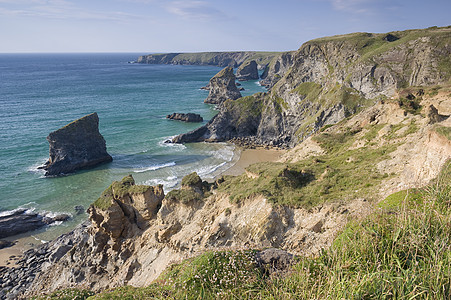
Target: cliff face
<point x="220" y="59"/>
<point x="247" y="71"/>
<point x="331" y="78"/>
<point x="76" y="146"/>
<point x="222" y="87"/>
<point x="135" y="233"/>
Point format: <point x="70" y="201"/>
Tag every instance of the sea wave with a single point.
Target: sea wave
<point x="34" y="168"/>
<point x="155" y="167"/>
<point x="225" y="153"/>
<point x="207" y="171"/>
<point x="23" y="210"/>
<point x="175" y="147"/>
<point x="168" y="183"/>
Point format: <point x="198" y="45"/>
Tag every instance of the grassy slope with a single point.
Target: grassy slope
<point x="403" y="251"/>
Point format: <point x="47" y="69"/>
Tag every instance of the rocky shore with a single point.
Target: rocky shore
<point x="23" y="220"/>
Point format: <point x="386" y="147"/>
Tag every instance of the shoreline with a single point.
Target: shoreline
<point x="249" y="156"/>
<point x="246" y="157"/>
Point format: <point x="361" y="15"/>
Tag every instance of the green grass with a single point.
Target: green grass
<point x="341" y="174"/>
<point x="310" y="90"/>
<point x="119" y="189"/>
<point x="193" y="189"/>
<point x="401" y="251"/>
<point x="445" y="131"/>
<point x="191" y="180"/>
<point x="66" y="294"/>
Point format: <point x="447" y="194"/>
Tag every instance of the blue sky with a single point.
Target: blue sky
<point x="201" y="25"/>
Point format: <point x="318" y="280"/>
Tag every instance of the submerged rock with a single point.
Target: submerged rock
<point x="189" y="117"/>
<point x="75" y="146"/>
<point x="223" y="87"/>
<point x="247" y="71"/>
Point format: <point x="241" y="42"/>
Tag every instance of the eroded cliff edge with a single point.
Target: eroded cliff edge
<point x="327" y="80"/>
<point x="298" y="204"/>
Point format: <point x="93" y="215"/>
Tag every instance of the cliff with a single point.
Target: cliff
<point x="222" y="87"/>
<point x="220" y="59"/>
<point x="75" y="146"/>
<point x="298" y="204"/>
<point x="247" y="71"/>
<point x="329" y="79"/>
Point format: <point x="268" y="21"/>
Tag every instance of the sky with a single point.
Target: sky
<point x="150" y="26"/>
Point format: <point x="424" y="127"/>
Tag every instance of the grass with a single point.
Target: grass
<point x="310" y="90"/>
<point x="340" y="174"/>
<point x="193" y="189"/>
<point x="444" y="131"/>
<point x="401" y="251"/>
<point x="119" y="189"/>
<point x="66" y="294"/>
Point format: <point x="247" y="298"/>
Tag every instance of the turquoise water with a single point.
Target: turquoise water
<point x="40" y="93"/>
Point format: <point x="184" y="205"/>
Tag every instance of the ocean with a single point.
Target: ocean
<point x="40" y="93"/>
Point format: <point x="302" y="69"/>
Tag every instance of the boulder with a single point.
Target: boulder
<point x="223" y="87"/>
<point x="189" y="117"/>
<point x="75" y="146"/>
<point x="274" y="260"/>
<point x="247" y="71"/>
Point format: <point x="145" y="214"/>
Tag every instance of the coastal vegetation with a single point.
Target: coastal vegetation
<point x="401" y="251"/>
<point x="356" y="133"/>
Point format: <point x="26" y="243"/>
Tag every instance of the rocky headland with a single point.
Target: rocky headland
<point x="78" y="145"/>
<point x="327" y="80"/>
<point x="189" y="117"/>
<point x="222" y="87"/>
<point x="366" y="118"/>
<point x="220" y="59"/>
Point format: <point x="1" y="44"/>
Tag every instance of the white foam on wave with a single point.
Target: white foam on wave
<point x="26" y="211"/>
<point x="155" y="167"/>
<point x="168" y="183"/>
<point x="34" y="168"/>
<point x="258" y="83"/>
<point x="225" y="153"/>
<point x="208" y="170"/>
<point x="39" y="240"/>
<point x="173" y="146"/>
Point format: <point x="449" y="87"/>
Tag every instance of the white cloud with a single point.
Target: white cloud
<point x="199" y="10"/>
<point x="59" y="9"/>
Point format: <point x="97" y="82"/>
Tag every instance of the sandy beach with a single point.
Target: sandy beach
<point x="252" y="156"/>
<point x="247" y="157"/>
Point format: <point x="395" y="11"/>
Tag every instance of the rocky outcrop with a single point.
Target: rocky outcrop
<point x="274" y="71"/>
<point x="23" y="220"/>
<point x="220" y="59"/>
<point x="189" y="117"/>
<point x="113" y="252"/>
<point x="75" y="146"/>
<point x="223" y="87"/>
<point x="327" y="80"/>
<point x="247" y="71"/>
<point x="133" y="238"/>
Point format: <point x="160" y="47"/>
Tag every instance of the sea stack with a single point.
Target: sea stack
<point x="223" y="87"/>
<point x="247" y="71"/>
<point x="78" y="145"/>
